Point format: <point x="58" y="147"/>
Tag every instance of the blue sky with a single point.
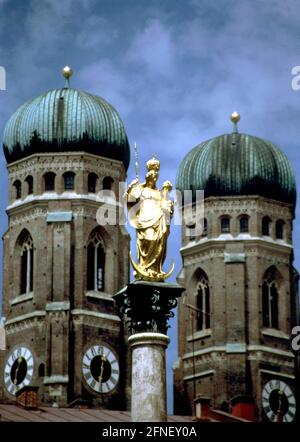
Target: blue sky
<point x="174" y="69"/>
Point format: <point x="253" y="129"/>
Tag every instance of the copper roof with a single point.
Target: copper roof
<point x="14" y="413"/>
<point x="64" y="120"/>
<point x="238" y="164"/>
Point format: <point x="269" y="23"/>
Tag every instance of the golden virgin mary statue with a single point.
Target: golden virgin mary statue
<point x="150" y="213"/>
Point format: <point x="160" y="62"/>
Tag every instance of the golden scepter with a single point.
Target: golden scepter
<point x="136" y="161"/>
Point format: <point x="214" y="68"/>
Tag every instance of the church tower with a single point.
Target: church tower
<point x="240" y="304"/>
<point x="67" y="151"/>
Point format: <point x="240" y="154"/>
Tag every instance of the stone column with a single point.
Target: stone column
<point x="149" y="395"/>
<point x="146" y="308"/>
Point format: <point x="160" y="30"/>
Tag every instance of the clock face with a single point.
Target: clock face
<point x="18" y="369"/>
<point x="278" y="399"/>
<point x="100" y="368"/>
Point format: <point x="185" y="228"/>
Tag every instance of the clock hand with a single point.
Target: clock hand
<point x="17" y="369"/>
<point x="101" y="372"/>
<point x="279" y="411"/>
<point x="103" y="359"/>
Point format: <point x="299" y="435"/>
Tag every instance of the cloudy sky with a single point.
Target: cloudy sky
<point x="174" y="69"/>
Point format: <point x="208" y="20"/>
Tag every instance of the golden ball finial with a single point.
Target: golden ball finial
<point x="67" y="72"/>
<point x="235" y="117"/>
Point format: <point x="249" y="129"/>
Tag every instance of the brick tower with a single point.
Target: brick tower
<point x="240" y="303"/>
<point x="63" y="334"/>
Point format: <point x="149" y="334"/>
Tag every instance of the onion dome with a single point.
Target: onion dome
<point x="66" y="120"/>
<point x="238" y="164"/>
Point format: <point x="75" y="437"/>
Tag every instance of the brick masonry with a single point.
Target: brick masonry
<point x="236" y="356"/>
<point x="59" y="320"/>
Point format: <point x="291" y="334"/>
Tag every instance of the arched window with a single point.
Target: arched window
<point x="266" y="225"/>
<point x="92" y="182"/>
<point x="244" y="224"/>
<point x="42" y="370"/>
<point x="225" y="224"/>
<point x="107" y="183"/>
<point x="26" y="267"/>
<point x="18" y="189"/>
<point x="203" y="303"/>
<point x="49" y="181"/>
<point x="191" y="231"/>
<point x="95" y="263"/>
<point x="270" y="296"/>
<point x="279" y="229"/>
<point x="69" y="178"/>
<point x="29" y="181"/>
<point x="204" y="230"/>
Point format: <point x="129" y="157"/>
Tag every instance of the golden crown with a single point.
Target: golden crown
<point x="153" y="164"/>
<point x="167" y="185"/>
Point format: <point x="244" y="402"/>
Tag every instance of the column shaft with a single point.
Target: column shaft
<point x="149" y="398"/>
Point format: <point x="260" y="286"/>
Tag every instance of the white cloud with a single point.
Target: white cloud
<point x="153" y="49"/>
<point x="96" y="33"/>
<point x="103" y="78"/>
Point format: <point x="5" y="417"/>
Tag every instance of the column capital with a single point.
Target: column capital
<point x="148" y="339"/>
<point x="147" y="306"/>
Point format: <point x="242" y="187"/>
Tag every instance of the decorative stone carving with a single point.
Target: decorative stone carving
<point x="24" y="325"/>
<point x="29" y="215"/>
<point x="59" y="227"/>
<point x="147" y="306"/>
<point x="76" y="162"/>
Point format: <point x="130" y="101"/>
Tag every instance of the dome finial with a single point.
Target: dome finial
<point x="67" y="73"/>
<point x="235" y="118"/>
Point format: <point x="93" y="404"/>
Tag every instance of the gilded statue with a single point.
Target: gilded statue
<point x="150" y="212"/>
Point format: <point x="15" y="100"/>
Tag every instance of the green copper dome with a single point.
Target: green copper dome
<point x="238" y="164"/>
<point x="64" y="120"/>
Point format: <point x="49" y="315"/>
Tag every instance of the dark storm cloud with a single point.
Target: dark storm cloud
<point x="175" y="70"/>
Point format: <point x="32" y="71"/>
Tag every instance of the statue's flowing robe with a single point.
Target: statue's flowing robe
<point x="150" y="222"/>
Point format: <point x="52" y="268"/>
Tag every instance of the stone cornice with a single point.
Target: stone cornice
<point x="200" y="335"/>
<point x="24" y="322"/>
<point x="245" y="203"/>
<point x="44" y="198"/>
<point x="56" y="379"/>
<point x="200" y="375"/>
<point x="265" y="349"/>
<point x="22" y="298"/>
<point x="88" y="313"/>
<point x="58" y="306"/>
<point x="214" y="349"/>
<point x="99" y="296"/>
<point x="34" y="314"/>
<point x="248" y="348"/>
<point x="275" y="373"/>
<point x="196" y="259"/>
<point x="63" y="161"/>
<point x="207" y="244"/>
<point x="273" y="333"/>
<point x="22" y="214"/>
